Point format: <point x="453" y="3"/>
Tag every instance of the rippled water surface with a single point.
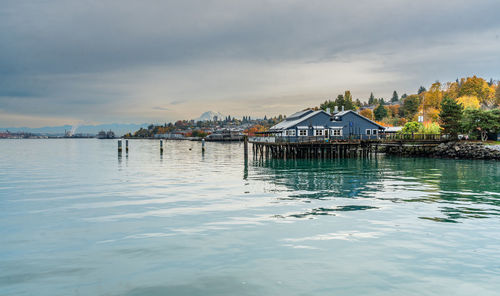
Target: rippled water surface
<point x="77" y="219"/>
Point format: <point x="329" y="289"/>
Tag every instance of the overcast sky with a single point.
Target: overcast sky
<point x="99" y="61"/>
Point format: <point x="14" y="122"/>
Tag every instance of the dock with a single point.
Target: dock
<point x="329" y="148"/>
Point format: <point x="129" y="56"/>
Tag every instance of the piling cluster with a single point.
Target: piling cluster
<point x="314" y="150"/>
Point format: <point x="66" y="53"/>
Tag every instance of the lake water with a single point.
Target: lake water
<point x="77" y="219"/>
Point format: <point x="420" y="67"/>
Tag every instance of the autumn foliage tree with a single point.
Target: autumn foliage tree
<point x="367" y="113"/>
<point x="478" y="87"/>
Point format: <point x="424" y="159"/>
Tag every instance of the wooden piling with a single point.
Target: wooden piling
<point x="245" y="146"/>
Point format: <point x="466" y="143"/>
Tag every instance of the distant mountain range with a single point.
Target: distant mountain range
<point x="117" y="128"/>
<point x="209" y="115"/>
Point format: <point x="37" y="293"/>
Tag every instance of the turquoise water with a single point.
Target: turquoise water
<point x="76" y="219"/>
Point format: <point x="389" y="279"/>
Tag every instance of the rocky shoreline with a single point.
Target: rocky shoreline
<point x="457" y="150"/>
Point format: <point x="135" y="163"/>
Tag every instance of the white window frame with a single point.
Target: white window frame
<point x="368" y="132"/>
<point x="374" y="132"/>
<point x="290" y="132"/>
<point x="302" y="133"/>
<point x="336" y="132"/>
<point x="319" y="132"/>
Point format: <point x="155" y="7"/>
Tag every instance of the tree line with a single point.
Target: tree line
<point x="467" y="105"/>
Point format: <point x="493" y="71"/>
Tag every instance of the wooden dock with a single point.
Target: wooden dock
<point x="321" y="148"/>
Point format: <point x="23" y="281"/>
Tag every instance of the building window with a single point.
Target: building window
<point x="368" y="131"/>
<point x="374" y="132"/>
<point x="337" y="132"/>
<point x="319" y="132"/>
<point x="303" y="132"/>
<point x="290" y="133"/>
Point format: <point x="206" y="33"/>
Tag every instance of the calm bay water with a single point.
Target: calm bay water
<point x="76" y="219"/>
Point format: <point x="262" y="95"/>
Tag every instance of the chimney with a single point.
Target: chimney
<point x="336" y="110"/>
<point x="342" y="108"/>
<point x="328" y="110"/>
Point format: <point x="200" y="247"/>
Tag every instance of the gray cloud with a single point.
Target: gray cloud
<point x="112" y="60"/>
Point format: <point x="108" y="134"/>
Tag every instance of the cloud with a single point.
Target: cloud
<point x="108" y="61"/>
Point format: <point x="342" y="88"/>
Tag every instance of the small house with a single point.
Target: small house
<point x="322" y="124"/>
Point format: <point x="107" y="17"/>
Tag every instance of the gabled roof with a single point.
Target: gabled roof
<point x="299" y="114"/>
<point x="294" y="120"/>
<point x="342" y="113"/>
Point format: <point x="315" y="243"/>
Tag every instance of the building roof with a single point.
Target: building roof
<point x="299" y="114"/>
<point x="342" y="113"/>
<point x="393" y="129"/>
<point x="294" y="119"/>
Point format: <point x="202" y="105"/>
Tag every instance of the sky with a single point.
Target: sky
<point x="130" y="61"/>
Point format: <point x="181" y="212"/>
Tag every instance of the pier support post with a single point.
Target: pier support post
<point x="161" y="146"/>
<point x="126" y="146"/>
<point x="245" y="146"/>
<point x="119" y="146"/>
<point x="203" y="145"/>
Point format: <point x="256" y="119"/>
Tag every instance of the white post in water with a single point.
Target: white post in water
<point x="119" y="146"/>
<point x="161" y="146"/>
<point x="202" y="145"/>
<point x="126" y="146"/>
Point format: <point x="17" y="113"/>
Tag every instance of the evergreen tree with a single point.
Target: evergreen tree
<point x="404" y="96"/>
<point x="327" y="104"/>
<point x="381" y="101"/>
<point x="340" y="101"/>
<point x="348" y="103"/>
<point x="380" y="112"/>
<point x="410" y="106"/>
<point x="482" y="122"/>
<point x="358" y="104"/>
<point x="491" y="82"/>
<point x="421" y="90"/>
<point x="395" y="97"/>
<point x="371" y="100"/>
<point x="450" y="116"/>
<point x="497" y="95"/>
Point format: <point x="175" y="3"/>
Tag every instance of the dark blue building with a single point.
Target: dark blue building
<point x="340" y="125"/>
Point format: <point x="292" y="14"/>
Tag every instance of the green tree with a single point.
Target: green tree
<point x="482" y="122"/>
<point x="410" y="106"/>
<point x="371" y="100"/>
<point x="421" y="90"/>
<point x="450" y="116"/>
<point x="357" y="104"/>
<point x="497" y="95"/>
<point x="327" y="104"/>
<point x="380" y="112"/>
<point x="395" y="97"/>
<point x="411" y="127"/>
<point x="348" y="103"/>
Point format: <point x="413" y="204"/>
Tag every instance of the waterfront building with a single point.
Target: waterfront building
<point x="323" y="124"/>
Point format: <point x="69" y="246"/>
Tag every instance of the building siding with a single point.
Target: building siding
<point x="352" y="124"/>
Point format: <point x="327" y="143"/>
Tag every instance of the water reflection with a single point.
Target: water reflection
<point x="327" y="211"/>
<point x="461" y="189"/>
